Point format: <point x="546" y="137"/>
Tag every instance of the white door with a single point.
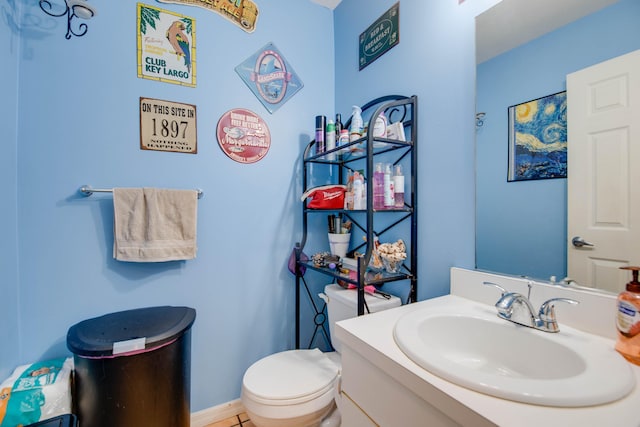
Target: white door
<point x="603" y="123"/>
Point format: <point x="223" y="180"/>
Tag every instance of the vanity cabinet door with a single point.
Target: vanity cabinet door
<point x="387" y="402"/>
<point x="352" y="415"/>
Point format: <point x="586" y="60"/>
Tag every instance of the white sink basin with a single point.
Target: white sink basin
<point x="496" y="357"/>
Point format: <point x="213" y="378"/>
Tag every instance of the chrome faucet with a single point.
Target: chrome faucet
<point x="517" y="308"/>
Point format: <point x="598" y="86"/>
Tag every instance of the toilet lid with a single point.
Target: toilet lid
<point x="294" y="375"/>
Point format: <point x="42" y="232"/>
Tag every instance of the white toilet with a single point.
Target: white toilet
<point x="296" y="388"/>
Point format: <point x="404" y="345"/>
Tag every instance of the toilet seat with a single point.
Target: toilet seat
<point x="289" y="378"/>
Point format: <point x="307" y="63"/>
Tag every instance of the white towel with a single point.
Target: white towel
<point x="154" y="225"/>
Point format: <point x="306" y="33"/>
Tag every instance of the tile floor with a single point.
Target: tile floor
<point x="241" y="420"/>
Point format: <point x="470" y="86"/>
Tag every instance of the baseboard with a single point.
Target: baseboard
<point x="216" y="413"/>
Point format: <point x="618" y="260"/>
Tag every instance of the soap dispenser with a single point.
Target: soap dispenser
<point x="628" y="319"/>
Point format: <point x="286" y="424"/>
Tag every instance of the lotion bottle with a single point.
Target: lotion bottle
<point x="355" y="131"/>
<point x="398" y="187"/>
<point x="378" y="186"/>
<point x="359" y="192"/>
<point x="344" y="137"/>
<point x="348" y="195"/>
<point x="389" y="196"/>
<point x="628" y="319"/>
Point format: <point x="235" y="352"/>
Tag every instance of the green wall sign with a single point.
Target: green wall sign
<point x="381" y="36"/>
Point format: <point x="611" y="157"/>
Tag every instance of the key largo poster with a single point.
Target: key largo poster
<point x="166" y="46"/>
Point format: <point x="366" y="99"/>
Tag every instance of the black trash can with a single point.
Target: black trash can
<point x="133" y="368"/>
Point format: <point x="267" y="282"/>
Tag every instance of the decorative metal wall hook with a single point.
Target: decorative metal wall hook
<point x="479" y="119"/>
<point x="73" y="8"/>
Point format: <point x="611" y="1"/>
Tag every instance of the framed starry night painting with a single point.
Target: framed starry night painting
<point x="538" y="138"/>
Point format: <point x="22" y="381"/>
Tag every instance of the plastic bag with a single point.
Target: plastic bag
<point x="36" y="392"/>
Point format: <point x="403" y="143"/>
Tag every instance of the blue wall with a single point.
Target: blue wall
<point x="78" y="123"/>
<point x="521" y="226"/>
<point x="9" y="333"/>
<point x="435" y="61"/>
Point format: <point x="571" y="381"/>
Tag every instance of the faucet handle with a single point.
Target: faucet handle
<point x="547" y="312"/>
<point x="503" y="290"/>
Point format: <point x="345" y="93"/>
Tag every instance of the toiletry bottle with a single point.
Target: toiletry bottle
<point x="389" y="196"/>
<point x="330" y="139"/>
<point x="355" y="131"/>
<point x="363" y="200"/>
<point x="364" y="191"/>
<point x="339" y="126"/>
<point x="320" y="130"/>
<point x="378" y="186"/>
<point x="358" y="191"/>
<point x="344" y="137"/>
<point x="628" y="319"/>
<point x="348" y="195"/>
<point x="380" y="126"/>
<point x="398" y="187"/>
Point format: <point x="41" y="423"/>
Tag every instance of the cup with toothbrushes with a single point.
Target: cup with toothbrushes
<point x="339" y="235"/>
<point x="339" y="243"/>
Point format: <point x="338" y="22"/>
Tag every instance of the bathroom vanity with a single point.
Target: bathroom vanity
<point x="383" y="386"/>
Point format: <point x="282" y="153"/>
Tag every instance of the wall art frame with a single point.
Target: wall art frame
<point x="538" y="138"/>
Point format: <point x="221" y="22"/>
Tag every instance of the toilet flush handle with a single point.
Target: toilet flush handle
<point x="324" y="297"/>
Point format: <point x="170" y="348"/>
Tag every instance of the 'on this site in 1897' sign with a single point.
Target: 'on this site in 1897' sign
<point x="167" y="126"/>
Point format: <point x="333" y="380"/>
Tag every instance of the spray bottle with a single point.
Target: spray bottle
<point x="330" y="139"/>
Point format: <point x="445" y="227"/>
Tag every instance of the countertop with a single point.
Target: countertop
<point x="372" y="337"/>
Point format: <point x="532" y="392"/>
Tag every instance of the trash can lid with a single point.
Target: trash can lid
<point x="132" y="330"/>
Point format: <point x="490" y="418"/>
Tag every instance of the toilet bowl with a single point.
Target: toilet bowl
<point x="300" y="388"/>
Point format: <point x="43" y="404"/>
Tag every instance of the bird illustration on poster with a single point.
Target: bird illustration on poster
<point x="179" y="41"/>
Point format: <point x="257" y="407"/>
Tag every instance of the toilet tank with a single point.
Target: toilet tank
<point x="343" y="304"/>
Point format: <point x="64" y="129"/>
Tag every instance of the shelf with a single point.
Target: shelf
<point x="311" y="210"/>
<point x="371" y="277"/>
<point x="359" y="155"/>
<point x="357" y="150"/>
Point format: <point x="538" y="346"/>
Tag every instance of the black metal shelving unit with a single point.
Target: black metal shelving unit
<point x="362" y="153"/>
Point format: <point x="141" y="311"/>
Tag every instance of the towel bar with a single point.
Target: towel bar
<point x="87" y="190"/>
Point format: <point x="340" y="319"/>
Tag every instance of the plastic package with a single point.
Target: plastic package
<point x="396" y="131"/>
<point x="380" y="126"/>
<point x="36" y="392"/>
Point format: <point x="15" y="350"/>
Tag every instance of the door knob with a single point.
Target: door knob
<point x="578" y="242"/>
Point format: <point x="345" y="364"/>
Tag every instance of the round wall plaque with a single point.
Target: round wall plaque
<point x="243" y="135"/>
